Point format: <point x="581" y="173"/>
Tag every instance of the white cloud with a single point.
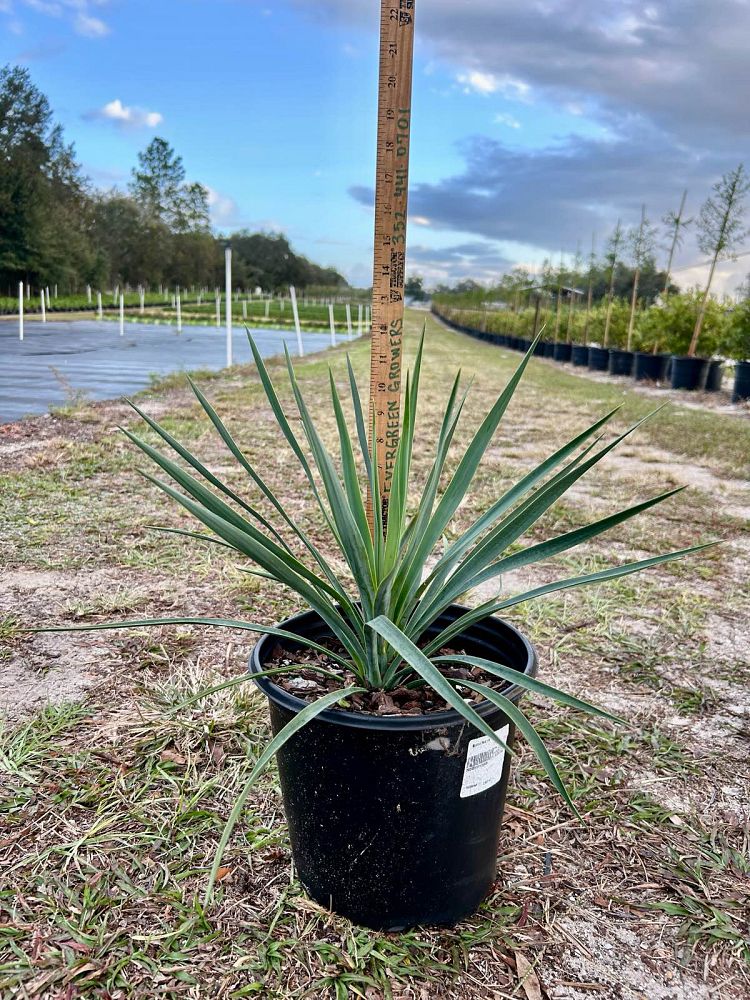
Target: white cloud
<point x="509" y="120"/>
<point x="477" y="82"/>
<point x="125" y="116"/>
<point x="90" y="27"/>
<point x="79" y="12"/>
<point x="223" y="209"/>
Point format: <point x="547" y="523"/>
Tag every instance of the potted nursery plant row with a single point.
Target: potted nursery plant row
<point x="394" y="707"/>
<point x="660" y="343"/>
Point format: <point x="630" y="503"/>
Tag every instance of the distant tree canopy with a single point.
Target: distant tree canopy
<point x="56" y="228"/>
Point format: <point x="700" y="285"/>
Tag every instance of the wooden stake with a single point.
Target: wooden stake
<point x="228" y="290"/>
<point x="391" y="202"/>
<point x="332" y="323"/>
<point x="293" y="297"/>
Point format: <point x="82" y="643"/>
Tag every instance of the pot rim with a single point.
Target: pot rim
<point x="396" y="723"/>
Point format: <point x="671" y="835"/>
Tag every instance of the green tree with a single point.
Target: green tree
<point x="614" y="248"/>
<point x="721" y="231"/>
<point x="42" y="193"/>
<point x="642" y="240"/>
<point x="414" y="288"/>
<point x="676" y="224"/>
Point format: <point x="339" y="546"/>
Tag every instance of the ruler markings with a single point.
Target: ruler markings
<point x="391" y="205"/>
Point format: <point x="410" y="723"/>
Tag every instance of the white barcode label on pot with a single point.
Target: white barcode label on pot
<point x="484" y="764"/>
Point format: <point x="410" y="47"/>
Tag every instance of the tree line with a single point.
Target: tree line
<point x="626" y="277"/>
<point x="57" y="228"/>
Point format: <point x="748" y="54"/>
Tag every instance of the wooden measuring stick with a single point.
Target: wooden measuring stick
<point x="391" y="200"/>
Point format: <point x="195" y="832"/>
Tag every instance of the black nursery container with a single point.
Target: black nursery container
<point x="580" y="355"/>
<point x="689" y="373"/>
<point x="741" y="382"/>
<point x="562" y="351"/>
<point x="620" y="363"/>
<point x="549" y="349"/>
<point x="395" y="820"/>
<point x="714" y="376"/>
<point x="650" y="367"/>
<point x="598" y="359"/>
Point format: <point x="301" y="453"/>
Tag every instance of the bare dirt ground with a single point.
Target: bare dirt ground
<point x="113" y="802"/>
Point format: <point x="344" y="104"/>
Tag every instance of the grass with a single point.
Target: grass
<point x="111" y="808"/>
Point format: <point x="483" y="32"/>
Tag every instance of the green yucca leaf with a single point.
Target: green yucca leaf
<point x="516" y="493"/>
<point x="315" y="596"/>
<point x="242" y="626"/>
<point x="532" y="737"/>
<point x="492" y="607"/>
<point x="359" y="420"/>
<point x="293" y="726"/>
<point x="505" y="533"/>
<point x="267" y="492"/>
<point x="569" y="540"/>
<point x="351" y="478"/>
<point x="459" y="484"/>
<point x="202" y="470"/>
<point x="228" y="516"/>
<point x="528" y="683"/>
<point x="357" y="550"/>
<point x="190" y="534"/>
<point x="429" y="672"/>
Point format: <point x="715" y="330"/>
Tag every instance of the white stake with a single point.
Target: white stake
<point x="44" y="311"/>
<point x="99" y="308"/>
<point x="28" y="290"/>
<point x="359" y="320"/>
<point x="268" y="306"/>
<point x="47" y="291"/>
<point x="218" y="311"/>
<point x="122" y="315"/>
<point x="143" y="301"/>
<point x="333" y="325"/>
<point x="55" y="291"/>
<point x="244" y="308"/>
<point x="293" y="297"/>
<point x="88" y="293"/>
<point x="20" y="310"/>
<point x="228" y="280"/>
<point x="115" y="295"/>
<point x="349" y="321"/>
<point x="179" y="314"/>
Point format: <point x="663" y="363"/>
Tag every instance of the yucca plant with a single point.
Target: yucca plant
<point x="402" y="575"/>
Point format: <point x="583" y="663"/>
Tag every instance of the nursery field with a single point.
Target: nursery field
<point x="113" y="799"/>
<point x="274" y="312"/>
<point x="59" y="363"/>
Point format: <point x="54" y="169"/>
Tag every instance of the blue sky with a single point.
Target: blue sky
<point x="525" y="138"/>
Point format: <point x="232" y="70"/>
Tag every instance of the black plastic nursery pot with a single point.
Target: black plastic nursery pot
<point x="394" y="821"/>
<point x="599" y="359"/>
<point x="523" y="344"/>
<point x="621" y="362"/>
<point x="539" y="349"/>
<point x="549" y="349"/>
<point x="741" y="382"/>
<point x="650" y="367"/>
<point x="689" y="373"/>
<point x="562" y="351"/>
<point x="580" y="355"/>
<point x="714" y="376"/>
